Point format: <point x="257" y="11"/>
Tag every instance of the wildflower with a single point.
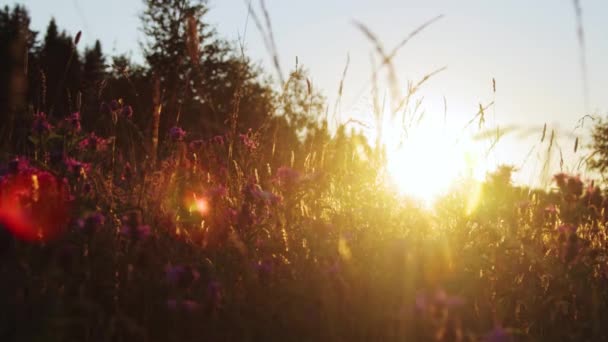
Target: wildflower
<point x="567" y="229"/>
<point x="197" y="144"/>
<point x="177" y="134"/>
<point x="218" y="139"/>
<point x="75" y="167"/>
<point x="41" y="124"/>
<point x="105" y="108"/>
<point x="136" y="233"/>
<point x="19" y="164"/>
<point x="73" y="122"/>
<point x="186" y="305"/>
<point x="498" y="335"/>
<point x="575" y="186"/>
<point x="133" y="228"/>
<point x="551" y="209"/>
<point x="91" y="223"/>
<point x="190" y="305"/>
<point x="287" y="176"/>
<point x="181" y="276"/>
<point x="114" y="105"/>
<point x="570" y="186"/>
<point x="214" y="294"/>
<point x="561" y="179"/>
<point x="264" y="268"/>
<point x="127" y="112"/>
<point x="246" y="140"/>
<point x="93" y="143"/>
<point x="256" y="192"/>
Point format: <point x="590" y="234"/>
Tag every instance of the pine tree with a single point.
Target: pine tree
<point x="94" y="73"/>
<point x="206" y="84"/>
<point x="16" y="45"/>
<point x="62" y="70"/>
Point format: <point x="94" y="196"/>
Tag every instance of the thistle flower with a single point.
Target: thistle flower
<point x="93" y="143"/>
<point x="218" y="139"/>
<point x="287" y="176"/>
<point x="41" y="124"/>
<point x="114" y="105"/>
<point x="73" y="122"/>
<point x="127" y="112"/>
<point x="75" y="167"/>
<point x="133" y="228"/>
<point x="246" y="140"/>
<point x="177" y="134"/>
<point x="181" y="276"/>
<point x="91" y="223"/>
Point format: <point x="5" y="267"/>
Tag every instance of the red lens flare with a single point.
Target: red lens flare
<point x="33" y="205"/>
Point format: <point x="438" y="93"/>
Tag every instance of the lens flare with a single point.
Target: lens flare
<point x="33" y="205"/>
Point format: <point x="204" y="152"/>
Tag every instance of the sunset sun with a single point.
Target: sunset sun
<point x="425" y="161"/>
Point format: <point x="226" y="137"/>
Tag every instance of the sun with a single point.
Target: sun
<point x="427" y="160"/>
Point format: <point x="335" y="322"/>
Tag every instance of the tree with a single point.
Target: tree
<point x="94" y="73"/>
<point x="62" y="69"/>
<point x="206" y="85"/>
<point x="598" y="160"/>
<point x="16" y="46"/>
<point x="172" y="47"/>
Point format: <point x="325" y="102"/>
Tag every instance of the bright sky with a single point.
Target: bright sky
<point x="529" y="47"/>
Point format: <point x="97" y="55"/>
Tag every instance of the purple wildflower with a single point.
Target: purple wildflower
<point x="262" y="195"/>
<point x="127" y="112"/>
<point x="41" y="124"/>
<point x="248" y="141"/>
<point x="218" y="139"/>
<point x="287" y="176"/>
<point x="197" y="144"/>
<point x="567" y="229"/>
<point x="93" y="143"/>
<point x="75" y="167"/>
<point x="133" y="228"/>
<point x="91" y="223"/>
<point x="186" y="305"/>
<point x="190" y="305"/>
<point x="181" y="276"/>
<point x="177" y="134"/>
<point x="137" y="233"/>
<point x="73" y="122"/>
<point x="114" y="105"/>
<point x="498" y="335"/>
<point x="104" y="108"/>
<point x="214" y="294"/>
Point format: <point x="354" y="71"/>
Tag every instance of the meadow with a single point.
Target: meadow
<point x="120" y="224"/>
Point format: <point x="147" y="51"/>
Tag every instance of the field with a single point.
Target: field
<point x="127" y="215"/>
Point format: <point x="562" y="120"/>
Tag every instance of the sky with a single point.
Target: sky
<point x="529" y="47"/>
